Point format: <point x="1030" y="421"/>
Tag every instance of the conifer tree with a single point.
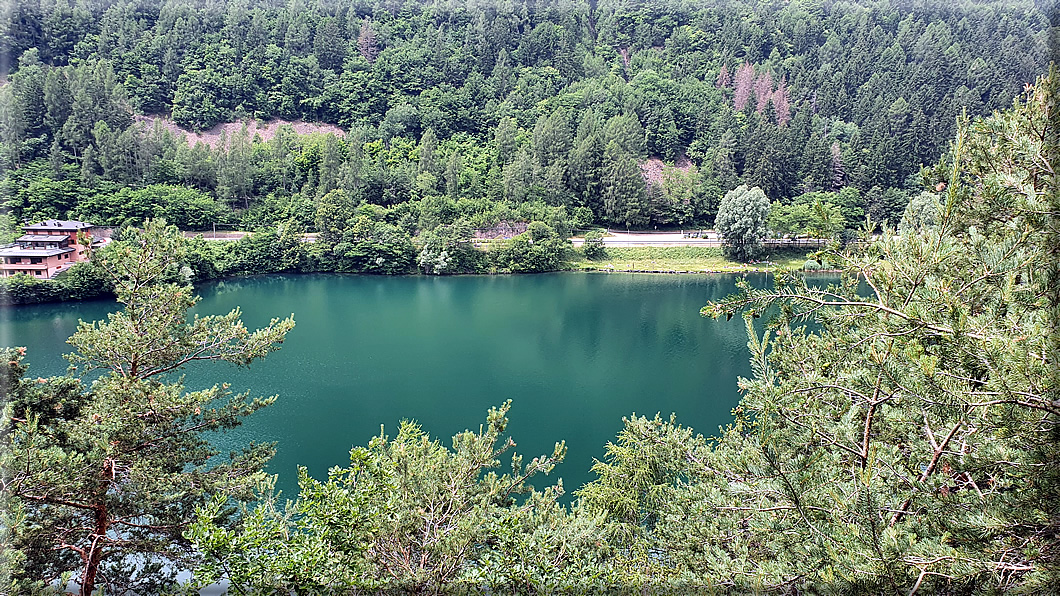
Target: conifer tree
<point x="763" y="88"/>
<point x="366" y="41"/>
<point x="907" y="444"/>
<point x="625" y="195"/>
<point x="724" y="78"/>
<point x="104" y="480"/>
<point x="743" y="86"/>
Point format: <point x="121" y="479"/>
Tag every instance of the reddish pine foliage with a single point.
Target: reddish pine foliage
<point x="781" y="102"/>
<point x="745" y="76"/>
<point x="652" y="169"/>
<point x="763" y="91"/>
<point x="724" y="78"/>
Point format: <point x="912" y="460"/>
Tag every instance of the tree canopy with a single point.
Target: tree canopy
<point x="897" y="435"/>
<point x="547" y="101"/>
<point x="742" y="216"/>
<point x="902" y="444"/>
<point x="101" y="481"/>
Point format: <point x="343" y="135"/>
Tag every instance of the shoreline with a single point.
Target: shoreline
<point x="674" y="271"/>
<point x="686" y="266"/>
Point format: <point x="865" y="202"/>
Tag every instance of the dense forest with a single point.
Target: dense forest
<point x="899" y="441"/>
<point x="461" y="116"/>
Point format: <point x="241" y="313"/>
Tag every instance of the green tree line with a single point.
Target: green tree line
<point x="557" y="101"/>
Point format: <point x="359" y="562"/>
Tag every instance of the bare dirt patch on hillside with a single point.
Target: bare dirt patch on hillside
<point x="652" y="169"/>
<point x="256" y="128"/>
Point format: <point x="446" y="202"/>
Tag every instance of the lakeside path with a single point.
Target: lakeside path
<point x="614" y="239"/>
<point x="617" y="239"/>
<point x="704" y="238"/>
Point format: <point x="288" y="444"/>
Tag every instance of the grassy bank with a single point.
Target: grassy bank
<point x="683" y="259"/>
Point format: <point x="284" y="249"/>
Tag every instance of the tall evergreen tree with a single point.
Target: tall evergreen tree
<point x="106" y="483"/>
<point x="624" y="192"/>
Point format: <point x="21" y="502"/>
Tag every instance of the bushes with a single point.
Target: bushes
<point x="814" y="265"/>
<point x="80" y="282"/>
<point x="448" y="249"/>
<point x="536" y="250"/>
<point x="24" y="289"/>
<point x="374" y="247"/>
<point x="594" y="245"/>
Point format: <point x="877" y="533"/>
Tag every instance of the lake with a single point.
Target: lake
<point x="575" y="352"/>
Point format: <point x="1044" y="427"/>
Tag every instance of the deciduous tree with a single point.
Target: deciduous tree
<point x="741" y="221"/>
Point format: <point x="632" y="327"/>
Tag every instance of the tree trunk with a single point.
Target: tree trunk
<point x="94" y="551"/>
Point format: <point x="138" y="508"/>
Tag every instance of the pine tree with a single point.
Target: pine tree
<point x="743" y="86"/>
<point x="763" y="88"/>
<point x="586" y="167"/>
<point x="507" y="143"/>
<point x="453" y="170"/>
<point x="106" y="483"/>
<point x="781" y="103"/>
<point x="838" y="172"/>
<point x="366" y="42"/>
<point x="624" y="192"/>
<point x="428" y="153"/>
<point x="906" y="444"/>
<point x="724" y="78"/>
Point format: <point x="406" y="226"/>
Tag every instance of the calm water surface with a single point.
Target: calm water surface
<point x="575" y="353"/>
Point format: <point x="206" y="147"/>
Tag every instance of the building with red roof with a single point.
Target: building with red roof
<point x="49" y="248"/>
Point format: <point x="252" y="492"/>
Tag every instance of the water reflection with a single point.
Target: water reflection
<point x="575" y="353"/>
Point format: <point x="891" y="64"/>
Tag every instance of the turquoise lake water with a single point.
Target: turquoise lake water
<point x="575" y="352"/>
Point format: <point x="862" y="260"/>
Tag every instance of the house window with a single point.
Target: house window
<point x="35" y="261"/>
<point x="37" y="272"/>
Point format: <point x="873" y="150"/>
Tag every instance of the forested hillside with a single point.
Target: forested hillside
<point x="895" y="442"/>
<point x="459" y="112"/>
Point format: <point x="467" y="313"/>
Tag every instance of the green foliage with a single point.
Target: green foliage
<point x="641" y="473"/>
<point x="741" y="221"/>
<point x="82" y="281"/>
<point x="449" y="249"/>
<point x="593" y="246"/>
<point x="921" y="215"/>
<point x="625" y="197"/>
<point x="536" y="250"/>
<point x="79" y="282"/>
<point x="373" y="247"/>
<point x="908" y="443"/>
<point x="407" y="514"/>
<point x="186" y="208"/>
<point x="275" y="249"/>
<point x="816" y="220"/>
<point x="26" y="289"/>
<point x="902" y="445"/>
<point x="100" y="476"/>
<point x="510" y="103"/>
